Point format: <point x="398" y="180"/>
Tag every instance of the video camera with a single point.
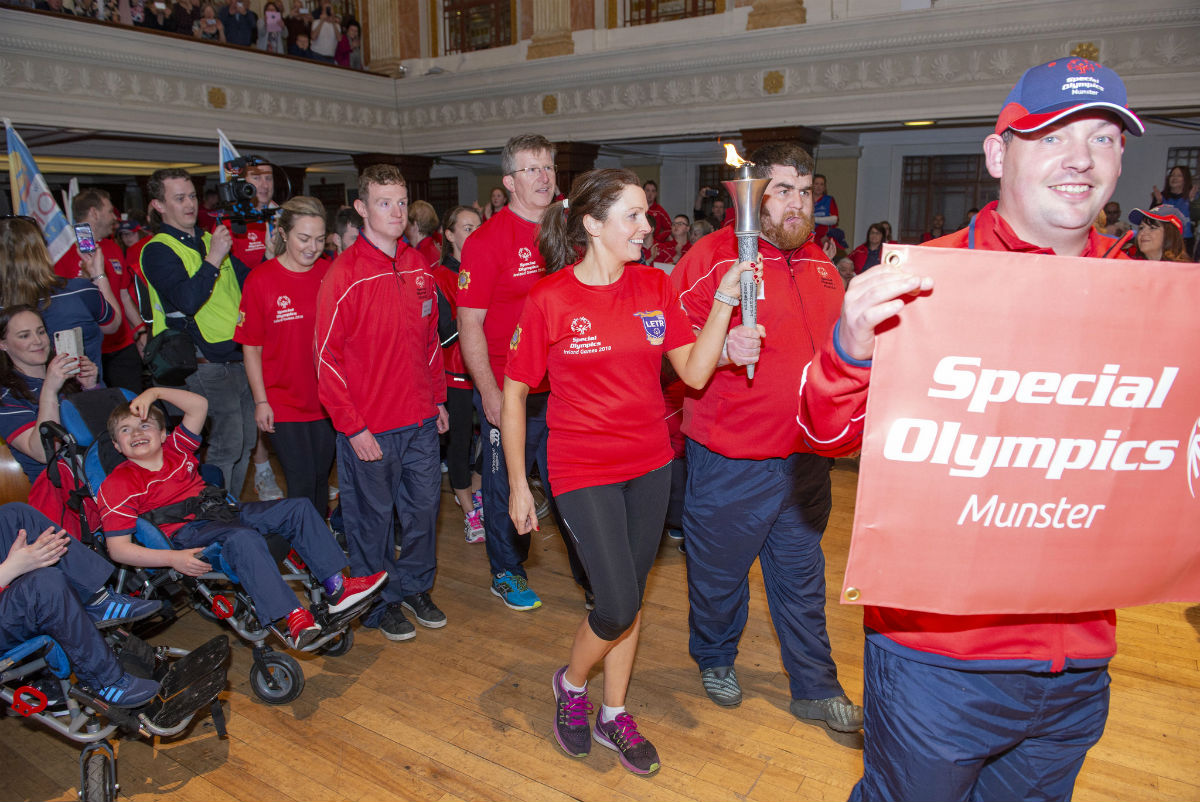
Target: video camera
<point x="235" y="197"/>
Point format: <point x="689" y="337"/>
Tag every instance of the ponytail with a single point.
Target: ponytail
<point x="562" y="237"/>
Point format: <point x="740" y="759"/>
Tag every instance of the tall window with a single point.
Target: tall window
<point x="946" y="185"/>
<point x="643" y="12"/>
<point x="476" y="25"/>
<point x="443" y="195"/>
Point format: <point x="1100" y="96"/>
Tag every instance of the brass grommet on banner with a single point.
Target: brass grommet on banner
<point x="893" y="258"/>
<point x="853" y="594"/>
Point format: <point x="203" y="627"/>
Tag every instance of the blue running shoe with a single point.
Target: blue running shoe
<point x="129" y="691"/>
<point x="515" y="592"/>
<point x="108" y="609"/>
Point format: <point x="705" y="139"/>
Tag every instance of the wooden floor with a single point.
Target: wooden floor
<point x="465" y="712"/>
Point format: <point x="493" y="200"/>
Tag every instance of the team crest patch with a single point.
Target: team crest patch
<point x="241" y="317"/>
<point x="464" y="279"/>
<point x="655" y="325"/>
<point x="516" y="339"/>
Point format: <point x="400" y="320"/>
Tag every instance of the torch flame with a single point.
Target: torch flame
<point x="732" y="158"/>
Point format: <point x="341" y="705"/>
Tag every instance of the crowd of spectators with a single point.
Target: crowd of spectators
<point x="319" y="34"/>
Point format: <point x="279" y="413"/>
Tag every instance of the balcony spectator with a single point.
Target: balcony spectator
<point x="208" y="27"/>
<point x="156" y="16"/>
<point x="299" y="47"/>
<point x="241" y="24"/>
<point x="298" y="21"/>
<point x="349" y="50"/>
<point x="92" y="9"/>
<point x="325" y="35"/>
<point x="272" y="31"/>
<point x="184" y="17"/>
<point x="50" y="5"/>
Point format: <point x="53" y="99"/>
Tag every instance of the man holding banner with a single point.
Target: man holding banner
<point x="1002" y="705"/>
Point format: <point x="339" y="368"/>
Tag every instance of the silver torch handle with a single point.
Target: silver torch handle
<point x="748" y="252"/>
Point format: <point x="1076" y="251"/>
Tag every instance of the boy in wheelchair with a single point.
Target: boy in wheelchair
<point x="160" y="480"/>
<point x="50" y="584"/>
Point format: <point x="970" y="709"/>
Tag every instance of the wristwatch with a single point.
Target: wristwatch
<point x="727" y="299"/>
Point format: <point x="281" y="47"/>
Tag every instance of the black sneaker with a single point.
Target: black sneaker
<point x="621" y="735"/>
<point x="424" y="610"/>
<point x="571" y="728"/>
<point x="394" y="625"/>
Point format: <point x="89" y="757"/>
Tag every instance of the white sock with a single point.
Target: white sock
<point x="566" y="683"/>
<point x="607" y="713"/>
<point x="262" y="467"/>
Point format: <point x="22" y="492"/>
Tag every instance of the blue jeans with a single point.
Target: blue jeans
<point x="775" y="510"/>
<point x="936" y="733"/>
<point x="232" y="432"/>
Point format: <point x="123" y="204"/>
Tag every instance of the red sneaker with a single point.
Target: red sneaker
<point x="302" y="627"/>
<point x="355" y="589"/>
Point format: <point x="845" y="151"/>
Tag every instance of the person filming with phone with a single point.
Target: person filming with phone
<point x="325" y="35"/>
<point x="27" y="277"/>
<point x="32" y="380"/>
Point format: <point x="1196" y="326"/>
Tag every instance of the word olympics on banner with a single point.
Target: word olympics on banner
<point x="1032" y="438"/>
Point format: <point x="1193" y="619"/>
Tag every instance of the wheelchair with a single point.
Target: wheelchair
<point x="36" y="684"/>
<point x="276" y="677"/>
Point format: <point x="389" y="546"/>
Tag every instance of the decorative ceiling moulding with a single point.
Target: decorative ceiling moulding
<point x="956" y="62"/>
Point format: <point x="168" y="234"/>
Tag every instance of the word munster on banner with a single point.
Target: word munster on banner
<point x="1032" y="438"/>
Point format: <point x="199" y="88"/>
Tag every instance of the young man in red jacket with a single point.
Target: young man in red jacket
<point x="380" y="377"/>
<point x="755" y="488"/>
<point x="987" y="707"/>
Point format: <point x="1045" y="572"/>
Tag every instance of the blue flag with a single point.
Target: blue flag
<point x="31" y="196"/>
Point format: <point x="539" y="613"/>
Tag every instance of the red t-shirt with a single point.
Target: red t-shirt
<point x="500" y="263"/>
<point x="71" y="266"/>
<point x="251" y="247"/>
<point x="602" y="348"/>
<point x="131" y="489"/>
<point x="279" y="313"/>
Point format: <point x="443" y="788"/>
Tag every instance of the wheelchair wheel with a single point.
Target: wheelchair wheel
<point x="98" y="785"/>
<point x="286" y="675"/>
<point x="339" y="647"/>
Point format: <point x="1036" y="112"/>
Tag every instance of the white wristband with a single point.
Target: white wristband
<point x="727" y="299"/>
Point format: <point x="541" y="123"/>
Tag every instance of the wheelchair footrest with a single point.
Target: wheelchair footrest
<point x="191" y="684"/>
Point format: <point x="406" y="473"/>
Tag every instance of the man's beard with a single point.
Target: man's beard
<point x="787" y="239"/>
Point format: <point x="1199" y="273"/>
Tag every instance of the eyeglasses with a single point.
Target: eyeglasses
<point x="534" y="172"/>
<point x="24" y="217"/>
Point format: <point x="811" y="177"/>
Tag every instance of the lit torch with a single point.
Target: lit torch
<point x="747" y="194"/>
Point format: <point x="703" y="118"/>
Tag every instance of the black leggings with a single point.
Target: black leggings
<point x="306" y="451"/>
<point x="616" y="529"/>
<point x="461" y="408"/>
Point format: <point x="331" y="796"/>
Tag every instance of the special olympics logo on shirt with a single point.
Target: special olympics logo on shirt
<point x="420" y="281"/>
<point x="524" y="253"/>
<point x="283" y="302"/>
<point x="822" y="271"/>
<point x="581" y="326"/>
<point x="1193" y="459"/>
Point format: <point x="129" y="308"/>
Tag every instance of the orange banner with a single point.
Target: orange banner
<point x="1032" y="438"/>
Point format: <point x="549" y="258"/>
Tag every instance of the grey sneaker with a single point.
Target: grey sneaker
<point x="721" y="685"/>
<point x="394" y="625"/>
<point x="836" y="712"/>
<point x="424" y="610"/>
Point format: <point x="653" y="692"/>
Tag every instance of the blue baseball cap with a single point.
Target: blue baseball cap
<point x="1049" y="92"/>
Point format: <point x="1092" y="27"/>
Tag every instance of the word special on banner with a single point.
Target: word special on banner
<point x="1032" y="438"/>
